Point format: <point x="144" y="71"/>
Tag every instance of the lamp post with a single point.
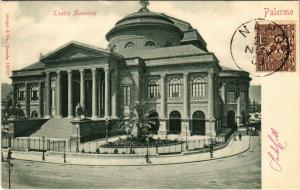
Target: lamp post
<point x="211" y="148"/>
<point x="9" y="169"/>
<point x="43" y="156"/>
<point x="77" y="138"/>
<point x="147" y="153"/>
<point x="186" y="140"/>
<point x="106" y="129"/>
<point x="65" y="152"/>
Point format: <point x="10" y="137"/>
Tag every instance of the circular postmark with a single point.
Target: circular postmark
<point x="262" y="47"/>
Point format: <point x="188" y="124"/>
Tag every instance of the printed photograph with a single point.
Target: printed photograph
<point x="139" y="94"/>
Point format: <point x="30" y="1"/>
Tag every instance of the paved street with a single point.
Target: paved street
<point x="242" y="171"/>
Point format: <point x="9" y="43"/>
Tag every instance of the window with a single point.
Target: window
<point x="242" y="96"/>
<point x="153" y="89"/>
<point x="198" y="87"/>
<point x="114" y="48"/>
<point x="34" y="94"/>
<point x="149" y="43"/>
<point x="126" y="95"/>
<point x="21" y="95"/>
<point x="129" y="45"/>
<point x="175" y="88"/>
<point x="230" y="96"/>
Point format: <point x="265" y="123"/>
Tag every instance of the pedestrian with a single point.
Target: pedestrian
<point x="234" y="137"/>
<point x="247" y="129"/>
<point x="240" y="136"/>
<point x="9" y="154"/>
<point x="211" y="149"/>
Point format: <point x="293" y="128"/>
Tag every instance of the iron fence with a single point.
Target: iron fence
<point x="34" y="144"/>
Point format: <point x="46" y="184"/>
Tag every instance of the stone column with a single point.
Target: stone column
<point x="185" y="122"/>
<point x="70" y="95"/>
<point x="27" y="100"/>
<point x="41" y="114"/>
<point x="58" y="95"/>
<point x="114" y="95"/>
<point x="107" y="92"/>
<point x="82" y="88"/>
<point x="210" y="125"/>
<point x="223" y="95"/>
<point x="163" y="122"/>
<point x="48" y="95"/>
<point x="94" y="93"/>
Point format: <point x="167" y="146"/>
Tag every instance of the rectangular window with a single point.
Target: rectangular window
<point x="34" y="95"/>
<point x="21" y="96"/>
<point x="230" y="97"/>
<point x="126" y="95"/>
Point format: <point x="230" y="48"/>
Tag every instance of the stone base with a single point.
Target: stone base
<point x="210" y="128"/>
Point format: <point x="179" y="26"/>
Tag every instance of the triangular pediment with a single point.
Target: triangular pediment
<point x="74" y="50"/>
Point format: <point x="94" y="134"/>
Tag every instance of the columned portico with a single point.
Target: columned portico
<point x="70" y="95"/>
<point x="58" y="95"/>
<point x="163" y="122"/>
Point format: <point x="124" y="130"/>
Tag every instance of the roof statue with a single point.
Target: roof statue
<point x="144" y="4"/>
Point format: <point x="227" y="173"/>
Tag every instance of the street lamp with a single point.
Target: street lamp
<point x="186" y="139"/>
<point x="211" y="148"/>
<point x="43" y="139"/>
<point x="77" y="138"/>
<point x="9" y="169"/>
<point x="106" y="129"/>
<point x="147" y="154"/>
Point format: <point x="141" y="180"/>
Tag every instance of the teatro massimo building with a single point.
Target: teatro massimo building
<point x="152" y="59"/>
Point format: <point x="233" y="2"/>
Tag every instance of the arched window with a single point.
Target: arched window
<point x="129" y="45"/>
<point x="153" y="89"/>
<point x="126" y="91"/>
<point x="149" y="43"/>
<point x="175" y="88"/>
<point x="114" y="48"/>
<point x="230" y="94"/>
<point x="198" y="87"/>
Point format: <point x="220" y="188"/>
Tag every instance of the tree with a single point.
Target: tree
<point x="137" y="123"/>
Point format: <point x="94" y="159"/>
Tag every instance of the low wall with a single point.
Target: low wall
<point x="24" y="127"/>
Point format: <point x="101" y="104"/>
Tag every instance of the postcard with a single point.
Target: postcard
<point x="150" y="95"/>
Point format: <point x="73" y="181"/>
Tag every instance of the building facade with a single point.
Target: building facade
<point x="152" y="59"/>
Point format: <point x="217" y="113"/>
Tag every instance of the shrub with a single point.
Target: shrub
<point x="116" y="151"/>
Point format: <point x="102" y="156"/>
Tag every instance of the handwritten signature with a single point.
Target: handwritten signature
<point x="276" y="148"/>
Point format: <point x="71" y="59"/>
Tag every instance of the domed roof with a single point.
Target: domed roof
<point x="144" y="15"/>
<point x="144" y="18"/>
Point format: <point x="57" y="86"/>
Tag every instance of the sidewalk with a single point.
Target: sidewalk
<point x="233" y="148"/>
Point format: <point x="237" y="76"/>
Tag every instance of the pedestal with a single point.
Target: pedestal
<point x="163" y="128"/>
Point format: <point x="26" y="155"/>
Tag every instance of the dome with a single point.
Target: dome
<point x="142" y="28"/>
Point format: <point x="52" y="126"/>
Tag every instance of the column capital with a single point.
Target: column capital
<point x="163" y="75"/>
<point x="94" y="70"/>
<point x="69" y="72"/>
<point x="210" y="74"/>
<point x="107" y="69"/>
<point x="81" y="71"/>
<point x="185" y="75"/>
<point x="58" y="72"/>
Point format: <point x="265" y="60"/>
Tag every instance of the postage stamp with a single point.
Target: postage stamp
<point x="275" y="50"/>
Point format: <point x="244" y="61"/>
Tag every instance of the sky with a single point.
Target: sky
<point x="34" y="28"/>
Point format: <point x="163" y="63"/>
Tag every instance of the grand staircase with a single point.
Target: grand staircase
<point x="55" y="128"/>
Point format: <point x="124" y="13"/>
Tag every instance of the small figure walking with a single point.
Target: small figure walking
<point x="9" y="154"/>
<point x="234" y="137"/>
<point x="240" y="136"/>
<point x="211" y="150"/>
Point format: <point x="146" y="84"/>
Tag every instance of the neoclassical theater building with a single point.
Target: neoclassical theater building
<point x="152" y="59"/>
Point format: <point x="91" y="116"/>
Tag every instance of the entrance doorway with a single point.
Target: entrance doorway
<point x="198" y="123"/>
<point x="231" y="119"/>
<point x="175" y="122"/>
